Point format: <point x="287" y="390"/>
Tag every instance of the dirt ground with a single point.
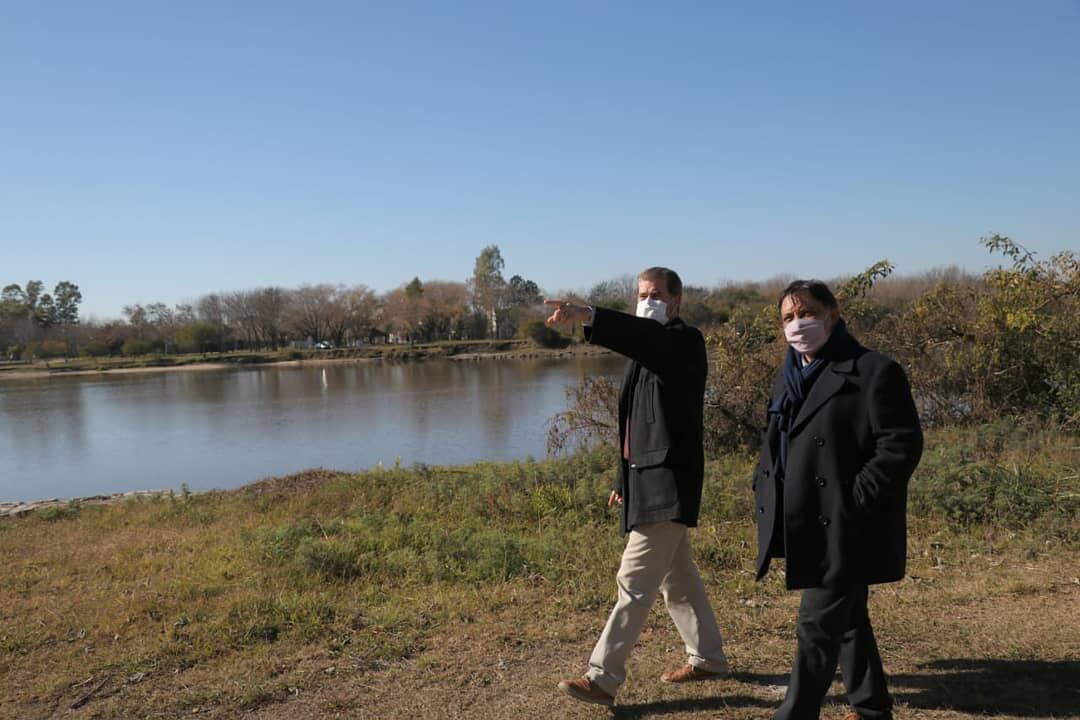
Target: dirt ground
<point x="1000" y="639"/>
<point x="475" y="675"/>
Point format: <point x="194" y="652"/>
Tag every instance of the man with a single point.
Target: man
<point x="843" y="439"/>
<point x="658" y="484"/>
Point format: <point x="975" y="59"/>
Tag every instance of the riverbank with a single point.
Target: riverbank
<point x="195" y="362"/>
<point x="55" y="506"/>
<point x="467" y="592"/>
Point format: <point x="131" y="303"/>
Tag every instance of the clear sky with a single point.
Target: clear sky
<point x="154" y="150"/>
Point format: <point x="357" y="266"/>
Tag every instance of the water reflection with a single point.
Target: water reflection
<point x="67" y="437"/>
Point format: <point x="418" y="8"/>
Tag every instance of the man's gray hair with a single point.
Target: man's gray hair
<point x="670" y="278"/>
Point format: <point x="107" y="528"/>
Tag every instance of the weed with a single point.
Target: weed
<point x="60" y="512"/>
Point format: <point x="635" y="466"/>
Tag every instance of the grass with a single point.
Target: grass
<point x="467" y="592"/>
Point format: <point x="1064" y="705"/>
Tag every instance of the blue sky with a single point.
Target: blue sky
<point x="158" y="151"/>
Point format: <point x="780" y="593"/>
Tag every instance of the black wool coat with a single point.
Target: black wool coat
<point x="663" y="394"/>
<point x="839" y="514"/>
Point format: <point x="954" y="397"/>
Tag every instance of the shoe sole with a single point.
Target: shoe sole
<point x="586" y="698"/>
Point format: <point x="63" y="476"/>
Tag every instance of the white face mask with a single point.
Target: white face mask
<point x="652" y="309"/>
<point x="806" y="335"/>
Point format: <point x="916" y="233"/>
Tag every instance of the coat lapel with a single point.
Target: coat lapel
<point x="832" y="380"/>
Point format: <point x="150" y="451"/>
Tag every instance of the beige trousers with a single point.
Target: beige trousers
<point x="657" y="558"/>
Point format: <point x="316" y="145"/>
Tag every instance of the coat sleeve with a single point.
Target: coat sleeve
<point x="898" y="440"/>
<point x="669" y="354"/>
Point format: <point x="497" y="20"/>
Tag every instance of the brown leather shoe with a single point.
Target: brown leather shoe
<point x="586" y="690"/>
<point x="690" y="673"/>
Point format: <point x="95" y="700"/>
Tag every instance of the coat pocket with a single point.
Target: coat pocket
<point x="649" y="458"/>
<point x="654" y="487"/>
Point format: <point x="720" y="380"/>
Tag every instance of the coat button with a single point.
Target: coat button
<point x="823" y="520"/>
<point x="761" y="509"/>
<point x="820" y="481"/>
<point x="820" y="441"/>
<point x="766" y="473"/>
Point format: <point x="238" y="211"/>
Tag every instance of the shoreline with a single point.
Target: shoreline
<point x="416" y="353"/>
<point x="19" y="509"/>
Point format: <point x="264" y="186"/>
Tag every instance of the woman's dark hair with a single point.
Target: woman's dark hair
<point x="817" y="289"/>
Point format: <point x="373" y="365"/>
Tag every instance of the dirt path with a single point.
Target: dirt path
<point x="475" y="675"/>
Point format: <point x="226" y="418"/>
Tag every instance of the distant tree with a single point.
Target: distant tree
<point x="488" y="286"/>
<point x="211" y="308"/>
<point x="240" y="310"/>
<point x="137" y="319"/>
<point x="155" y="322"/>
<point x="67" y="298"/>
<point x="13" y="299"/>
<point x="618" y="293"/>
<point x="44" y="312"/>
<point x="315" y="312"/>
<point x="523" y="292"/>
<point x="403" y="314"/>
<point x="522" y="304"/>
<point x="362" y="310"/>
<point x="185" y="314"/>
<point x="445" y="309"/>
<point x="413" y="312"/>
<point x="198" y="336"/>
<point x="268" y="306"/>
<point x="43" y="309"/>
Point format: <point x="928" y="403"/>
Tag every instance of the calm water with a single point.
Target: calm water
<point x="70" y="437"/>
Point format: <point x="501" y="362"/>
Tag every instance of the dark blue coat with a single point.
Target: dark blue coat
<point x="839" y="515"/>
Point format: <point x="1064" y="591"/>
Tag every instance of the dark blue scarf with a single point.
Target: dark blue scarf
<point x="798" y="379"/>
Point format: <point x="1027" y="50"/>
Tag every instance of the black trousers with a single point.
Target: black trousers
<point x="834" y="627"/>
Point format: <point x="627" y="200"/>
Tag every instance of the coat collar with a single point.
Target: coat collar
<point x="676" y="322"/>
<point x="831" y="382"/>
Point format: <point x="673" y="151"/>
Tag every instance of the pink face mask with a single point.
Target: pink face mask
<point x="806" y="335"/>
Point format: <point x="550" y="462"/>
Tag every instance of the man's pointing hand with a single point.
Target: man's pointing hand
<point x="565" y="311"/>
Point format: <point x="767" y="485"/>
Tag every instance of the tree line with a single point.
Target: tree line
<point x="35" y="324"/>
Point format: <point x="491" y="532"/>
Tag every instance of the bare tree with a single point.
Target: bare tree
<point x="314" y="312"/>
<point x="242" y="316"/>
<point x="403" y="312"/>
<point x="446" y="310"/>
<point x="268" y="306"/>
<point x="362" y="310"/>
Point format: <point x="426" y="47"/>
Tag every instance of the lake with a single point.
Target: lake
<point x="78" y="436"/>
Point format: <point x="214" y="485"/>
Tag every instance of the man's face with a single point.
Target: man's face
<point x="803" y="305"/>
<point x="657" y="290"/>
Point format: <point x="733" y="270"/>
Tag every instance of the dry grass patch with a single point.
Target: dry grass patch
<point x="469" y="592"/>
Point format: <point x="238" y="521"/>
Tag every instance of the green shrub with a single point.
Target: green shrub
<point x="199" y="337"/>
<point x="329" y="557"/>
<point x="96" y="348"/>
<point x="60" y="512"/>
<point x="47" y="349"/>
<point x="134" y="346"/>
<point x="982" y="493"/>
<point x="543" y="334"/>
